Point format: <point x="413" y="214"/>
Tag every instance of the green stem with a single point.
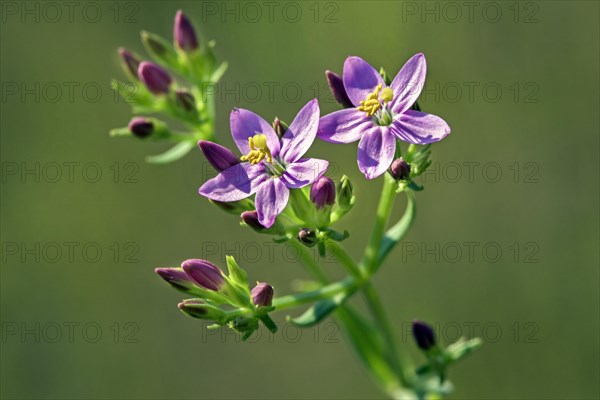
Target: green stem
<point x="294" y="300"/>
<point x="383" y="214"/>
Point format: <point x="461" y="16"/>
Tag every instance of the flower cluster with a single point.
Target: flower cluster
<point x="223" y="299"/>
<point x="172" y="84"/>
<point x="276" y="189"/>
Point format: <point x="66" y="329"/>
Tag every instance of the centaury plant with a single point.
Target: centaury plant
<point x="277" y="191"/>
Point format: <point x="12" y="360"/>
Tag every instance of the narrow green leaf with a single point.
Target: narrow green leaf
<point x="173" y="154"/>
<point x="398" y="231"/>
<point x="320" y="310"/>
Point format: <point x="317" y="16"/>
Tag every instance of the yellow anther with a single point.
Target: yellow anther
<point x="387" y="95"/>
<point x="259" y="150"/>
<point x="371" y="104"/>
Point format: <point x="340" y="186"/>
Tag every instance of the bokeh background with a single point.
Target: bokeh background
<point x="516" y="181"/>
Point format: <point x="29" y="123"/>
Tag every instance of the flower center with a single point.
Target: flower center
<point x="372" y="103"/>
<point x="259" y="150"/>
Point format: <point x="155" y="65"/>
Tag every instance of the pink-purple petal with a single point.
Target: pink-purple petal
<point x="301" y="133"/>
<point x="419" y="128"/>
<point x="235" y="183"/>
<point x="343" y="126"/>
<point x="245" y="124"/>
<point x="408" y="83"/>
<point x="304" y="172"/>
<point x="271" y="198"/>
<point x="360" y="79"/>
<point x="376" y="151"/>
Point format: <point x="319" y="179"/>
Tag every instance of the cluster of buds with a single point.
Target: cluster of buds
<point x="224" y="299"/>
<point x="170" y="84"/>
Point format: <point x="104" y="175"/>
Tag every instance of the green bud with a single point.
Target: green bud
<point x="345" y="193"/>
<point x="160" y="49"/>
<point x="196" y="308"/>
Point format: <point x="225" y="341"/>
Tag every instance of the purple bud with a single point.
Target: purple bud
<point x="400" y="169"/>
<point x="141" y="127"/>
<point x="280" y="127"/>
<point x="308" y="237"/>
<point x="336" y="84"/>
<point x="322" y="192"/>
<point x="130" y="62"/>
<point x="204" y="273"/>
<point x="250" y="218"/>
<point x="262" y="295"/>
<point x="221" y="158"/>
<point x="185" y="100"/>
<point x="156" y="79"/>
<point x="175" y="277"/>
<point x="424" y="335"/>
<point x="183" y="32"/>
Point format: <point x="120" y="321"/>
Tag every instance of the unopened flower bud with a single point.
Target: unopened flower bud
<point x="154" y="43"/>
<point x="156" y="79"/>
<point x="262" y="295"/>
<point x="280" y="127"/>
<point x="250" y="218"/>
<point x="424" y="335"/>
<point x="198" y="309"/>
<point x="175" y="277"/>
<point x="221" y="158"/>
<point x="130" y="62"/>
<point x="141" y="127"/>
<point x="400" y="169"/>
<point x="345" y="193"/>
<point x="336" y="84"/>
<point x="183" y="32"/>
<point x="185" y="100"/>
<point x="308" y="237"/>
<point x="204" y="274"/>
<point x="322" y="192"/>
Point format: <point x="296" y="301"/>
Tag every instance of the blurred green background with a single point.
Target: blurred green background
<point x="84" y="324"/>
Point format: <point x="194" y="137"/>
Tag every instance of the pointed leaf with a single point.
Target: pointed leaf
<point x="173" y="154"/>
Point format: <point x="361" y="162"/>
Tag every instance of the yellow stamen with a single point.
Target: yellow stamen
<point x="371" y="104"/>
<point x="387" y="95"/>
<point x="260" y="150"/>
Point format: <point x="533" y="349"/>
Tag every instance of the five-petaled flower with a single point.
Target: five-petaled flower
<point x="270" y="166"/>
<point x="381" y="114"/>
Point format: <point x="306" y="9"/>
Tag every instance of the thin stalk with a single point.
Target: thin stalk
<point x="384" y="210"/>
<point x="294" y="300"/>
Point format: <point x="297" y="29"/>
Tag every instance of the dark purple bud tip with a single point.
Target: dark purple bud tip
<point x="336" y="84"/>
<point x="322" y="192"/>
<point x="183" y="32"/>
<point x="156" y="79"/>
<point x="194" y="308"/>
<point x="204" y="274"/>
<point x="280" y="127"/>
<point x="221" y="158"/>
<point x="175" y="277"/>
<point x="262" y="295"/>
<point x="424" y="335"/>
<point x="185" y="100"/>
<point x="250" y="218"/>
<point x="141" y="127"/>
<point x="130" y="63"/>
<point x="400" y="169"/>
<point x="308" y="237"/>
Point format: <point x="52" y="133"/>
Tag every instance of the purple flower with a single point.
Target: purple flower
<point x="381" y="114"/>
<point x="272" y="165"/>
